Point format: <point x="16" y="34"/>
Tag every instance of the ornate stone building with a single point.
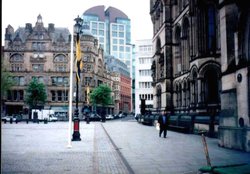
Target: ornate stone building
<point x="44" y="53"/>
<point x="201" y="63"/>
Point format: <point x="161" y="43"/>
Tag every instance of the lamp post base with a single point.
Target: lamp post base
<point x="76" y="136"/>
<point x="76" y="133"/>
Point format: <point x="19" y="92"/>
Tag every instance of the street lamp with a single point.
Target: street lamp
<point x="77" y="30"/>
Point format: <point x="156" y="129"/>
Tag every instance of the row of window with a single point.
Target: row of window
<point x="117" y="34"/>
<point x="146" y="72"/>
<point x="145" y="84"/>
<point x="97" y="32"/>
<point x="146" y="96"/>
<point x="60" y="80"/>
<point x="145" y="60"/>
<point x="96" y="25"/>
<point x="145" y="48"/>
<point x="38" y="67"/>
<point x="15" y="95"/>
<point x="116" y="27"/>
<point x="60" y="95"/>
<point x="115" y="41"/>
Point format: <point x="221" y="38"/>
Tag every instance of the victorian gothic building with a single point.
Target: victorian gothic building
<point x="44" y="53"/>
<point x="201" y="63"/>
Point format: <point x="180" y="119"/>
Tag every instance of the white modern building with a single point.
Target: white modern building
<point x="143" y="78"/>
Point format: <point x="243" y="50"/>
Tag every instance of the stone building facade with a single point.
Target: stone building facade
<point x="44" y="53"/>
<point x="122" y="84"/>
<point x="201" y="63"/>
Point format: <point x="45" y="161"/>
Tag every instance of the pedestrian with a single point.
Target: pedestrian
<point x="163" y="121"/>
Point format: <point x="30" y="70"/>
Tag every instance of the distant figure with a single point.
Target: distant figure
<point x="163" y="121"/>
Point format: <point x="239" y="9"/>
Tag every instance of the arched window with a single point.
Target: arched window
<point x="195" y="88"/>
<point x="60" y="63"/>
<point x="185" y="44"/>
<point x="211" y="14"/>
<point x="16" y="62"/>
<point x="60" y="58"/>
<point x="177" y="52"/>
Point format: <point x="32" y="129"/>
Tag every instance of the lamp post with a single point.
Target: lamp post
<point x="77" y="30"/>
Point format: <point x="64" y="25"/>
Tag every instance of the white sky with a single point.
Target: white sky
<point x="63" y="12"/>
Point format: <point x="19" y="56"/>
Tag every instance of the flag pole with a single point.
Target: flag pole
<point x="71" y="88"/>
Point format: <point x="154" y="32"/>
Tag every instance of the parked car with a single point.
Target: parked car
<point x="150" y="119"/>
<point x="94" y="117"/>
<point x="109" y="117"/>
<point x="52" y="118"/>
<point x="7" y="118"/>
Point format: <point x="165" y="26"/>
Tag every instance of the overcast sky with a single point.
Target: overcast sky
<point x="62" y="13"/>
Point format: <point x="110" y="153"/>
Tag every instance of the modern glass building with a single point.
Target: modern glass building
<point x="113" y="30"/>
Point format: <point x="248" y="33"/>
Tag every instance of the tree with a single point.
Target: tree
<point x="35" y="94"/>
<point x="6" y="83"/>
<point x="101" y="95"/>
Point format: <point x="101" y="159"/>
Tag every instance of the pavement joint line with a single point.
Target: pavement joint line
<point x="95" y="155"/>
<point x="130" y="170"/>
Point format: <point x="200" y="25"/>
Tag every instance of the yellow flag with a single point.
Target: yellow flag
<point x="79" y="63"/>
<point x="87" y="94"/>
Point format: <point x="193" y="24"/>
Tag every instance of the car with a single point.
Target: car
<point x="109" y="117"/>
<point x="94" y="117"/>
<point x="8" y="118"/>
<point x="150" y="119"/>
<point x="52" y="118"/>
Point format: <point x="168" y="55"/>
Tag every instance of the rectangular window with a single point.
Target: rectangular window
<point x="101" y="32"/>
<point x="121" y="48"/>
<point x="101" y="39"/>
<point x="53" y="95"/>
<point x="94" y="31"/>
<point x="37" y="67"/>
<point x="59" y="95"/>
<point x="121" y="28"/>
<point x="121" y="34"/>
<point x="121" y="41"/>
<point x="21" y="95"/>
<point x="114" y="27"/>
<point x="114" y="34"/>
<point x="101" y="25"/>
<point x="114" y="48"/>
<point x="94" y="25"/>
<point x="114" y="41"/>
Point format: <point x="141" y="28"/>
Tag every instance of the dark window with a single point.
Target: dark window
<point x="211" y="29"/>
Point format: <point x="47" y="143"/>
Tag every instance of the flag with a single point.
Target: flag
<point x="79" y="63"/>
<point x="87" y="94"/>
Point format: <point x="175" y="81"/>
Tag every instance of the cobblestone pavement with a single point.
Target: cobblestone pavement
<point x="113" y="147"/>
<point x="42" y="148"/>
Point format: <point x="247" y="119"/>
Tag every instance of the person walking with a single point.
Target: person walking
<point x="163" y="121"/>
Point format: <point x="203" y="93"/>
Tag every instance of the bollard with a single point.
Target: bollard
<point x="11" y="120"/>
<point x="87" y="119"/>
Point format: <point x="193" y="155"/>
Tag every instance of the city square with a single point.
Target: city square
<point x="119" y="146"/>
<point x="92" y="87"/>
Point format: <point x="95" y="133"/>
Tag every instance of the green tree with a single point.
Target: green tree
<point x="35" y="94"/>
<point x="6" y="83"/>
<point x="101" y="95"/>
